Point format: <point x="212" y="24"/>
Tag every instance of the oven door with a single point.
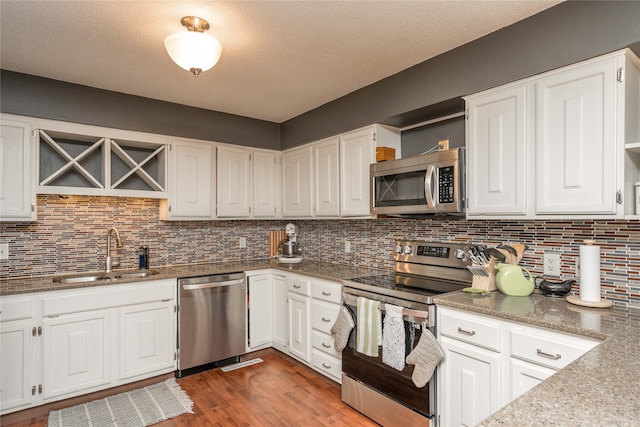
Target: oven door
<point x="394" y="384"/>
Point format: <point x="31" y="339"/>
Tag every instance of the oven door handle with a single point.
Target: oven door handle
<point x="430" y="185"/>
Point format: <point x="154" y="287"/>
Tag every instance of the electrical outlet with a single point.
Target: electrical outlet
<point x="243" y="242"/>
<point x="4" y="251"/>
<point x="347" y="246"/>
<point x="551" y="263"/>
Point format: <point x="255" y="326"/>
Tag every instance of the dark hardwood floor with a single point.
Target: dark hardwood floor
<point x="276" y="392"/>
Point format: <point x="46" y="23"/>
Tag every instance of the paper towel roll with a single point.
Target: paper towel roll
<point x="590" y="273"/>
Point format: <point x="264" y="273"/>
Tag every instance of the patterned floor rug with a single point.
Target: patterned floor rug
<point x="135" y="408"/>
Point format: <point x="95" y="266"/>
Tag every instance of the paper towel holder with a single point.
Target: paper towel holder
<point x="575" y="299"/>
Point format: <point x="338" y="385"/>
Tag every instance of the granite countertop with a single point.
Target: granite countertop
<point x="600" y="388"/>
<point x="319" y="269"/>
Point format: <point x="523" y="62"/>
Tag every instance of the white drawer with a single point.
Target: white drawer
<point x="325" y="343"/>
<point x="299" y="285"/>
<point x="327" y="291"/>
<point x="324" y="315"/>
<point x="470" y="328"/>
<point x="546" y="348"/>
<point x="329" y="365"/>
<point x="16" y="308"/>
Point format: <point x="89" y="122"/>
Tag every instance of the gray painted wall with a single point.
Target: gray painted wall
<point x="33" y="96"/>
<point x="567" y="33"/>
<point x="419" y="140"/>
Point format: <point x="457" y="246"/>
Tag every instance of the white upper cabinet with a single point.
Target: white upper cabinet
<point x="247" y="182"/>
<point x="266" y="188"/>
<point x="234" y="182"/>
<point x="17" y="196"/>
<point x="553" y="146"/>
<point x="95" y="161"/>
<point x="357" y="153"/>
<point x="577" y="143"/>
<point x="297" y="183"/>
<point x="191" y="177"/>
<point x="330" y="178"/>
<point x="496" y="147"/>
<point x="327" y="183"/>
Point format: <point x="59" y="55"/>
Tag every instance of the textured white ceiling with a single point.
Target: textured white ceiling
<point x="279" y="58"/>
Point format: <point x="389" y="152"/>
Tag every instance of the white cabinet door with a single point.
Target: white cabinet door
<point x="327" y="189"/>
<point x="297" y="183"/>
<point x="327" y="178"/>
<point x="17" y="195"/>
<point x="190" y="182"/>
<point x="299" y="326"/>
<point x="75" y="353"/>
<point x="576" y="141"/>
<point x="525" y="376"/>
<point x="260" y="311"/>
<point x="146" y="343"/>
<point x="357" y="152"/>
<point x="265" y="189"/>
<point x="497" y="152"/>
<point x="279" y="311"/>
<point x="16" y="358"/>
<point x="470" y="378"/>
<point x="234" y="182"/>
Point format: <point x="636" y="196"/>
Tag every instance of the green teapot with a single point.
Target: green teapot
<point x="510" y="280"/>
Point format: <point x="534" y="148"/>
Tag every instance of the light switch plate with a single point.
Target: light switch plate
<point x="347" y="246"/>
<point x="4" y="251"/>
<point x="243" y="242"/>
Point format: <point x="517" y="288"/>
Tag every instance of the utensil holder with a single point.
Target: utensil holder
<point x="483" y="282"/>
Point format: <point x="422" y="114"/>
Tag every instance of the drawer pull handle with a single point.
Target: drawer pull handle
<point x="325" y="345"/>
<point x="324" y="319"/>
<point x="297" y="286"/>
<point x="324" y="365"/>
<point x="548" y="356"/>
<point x="326" y="294"/>
<point x="463" y="332"/>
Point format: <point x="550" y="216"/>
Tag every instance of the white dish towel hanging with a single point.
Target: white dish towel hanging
<point x="393" y="346"/>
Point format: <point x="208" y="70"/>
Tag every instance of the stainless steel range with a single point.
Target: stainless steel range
<point x="422" y="270"/>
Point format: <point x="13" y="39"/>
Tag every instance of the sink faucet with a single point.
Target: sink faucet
<point x="112" y="230"/>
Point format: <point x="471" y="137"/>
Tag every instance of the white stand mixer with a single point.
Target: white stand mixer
<point x="289" y="248"/>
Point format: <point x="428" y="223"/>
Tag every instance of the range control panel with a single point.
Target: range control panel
<point x="432" y="253"/>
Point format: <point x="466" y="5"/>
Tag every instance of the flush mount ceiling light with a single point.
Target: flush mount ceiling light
<point x="193" y="50"/>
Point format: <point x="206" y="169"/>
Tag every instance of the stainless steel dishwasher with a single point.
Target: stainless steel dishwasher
<point x="212" y="315"/>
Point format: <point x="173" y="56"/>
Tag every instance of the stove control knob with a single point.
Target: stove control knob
<point x="408" y="250"/>
<point x="460" y="254"/>
<point x="399" y="249"/>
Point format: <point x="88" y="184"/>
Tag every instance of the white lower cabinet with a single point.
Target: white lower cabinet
<point x="326" y="303"/>
<point x="267" y="314"/>
<point x="76" y="353"/>
<point x="59" y="344"/>
<point x="299" y="313"/>
<point x="18" y="344"/>
<point x="145" y="345"/>
<point x="279" y="312"/>
<point x="525" y="376"/>
<point x="472" y="383"/>
<point x="489" y="362"/>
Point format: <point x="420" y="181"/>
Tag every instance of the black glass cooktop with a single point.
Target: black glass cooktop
<point x="405" y="286"/>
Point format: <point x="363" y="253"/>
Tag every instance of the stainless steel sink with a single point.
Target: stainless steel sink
<point x="94" y="277"/>
<point x="134" y="274"/>
<point x="81" y="279"/>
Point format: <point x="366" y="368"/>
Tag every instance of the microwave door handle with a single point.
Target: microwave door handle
<point x="429" y="186"/>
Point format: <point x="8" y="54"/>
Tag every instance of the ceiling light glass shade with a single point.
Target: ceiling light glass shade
<point x="193" y="51"/>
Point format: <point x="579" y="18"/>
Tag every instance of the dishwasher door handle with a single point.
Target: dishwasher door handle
<point x="212" y="285"/>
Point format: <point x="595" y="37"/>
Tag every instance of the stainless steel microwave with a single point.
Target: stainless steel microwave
<point x="431" y="183"/>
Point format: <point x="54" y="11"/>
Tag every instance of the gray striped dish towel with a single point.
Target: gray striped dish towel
<point x="393" y="348"/>
<point x="369" y="330"/>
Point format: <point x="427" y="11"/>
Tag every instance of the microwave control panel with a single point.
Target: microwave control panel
<point x="445" y="184"/>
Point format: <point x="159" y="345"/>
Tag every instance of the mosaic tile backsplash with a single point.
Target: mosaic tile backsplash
<point x="71" y="233"/>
